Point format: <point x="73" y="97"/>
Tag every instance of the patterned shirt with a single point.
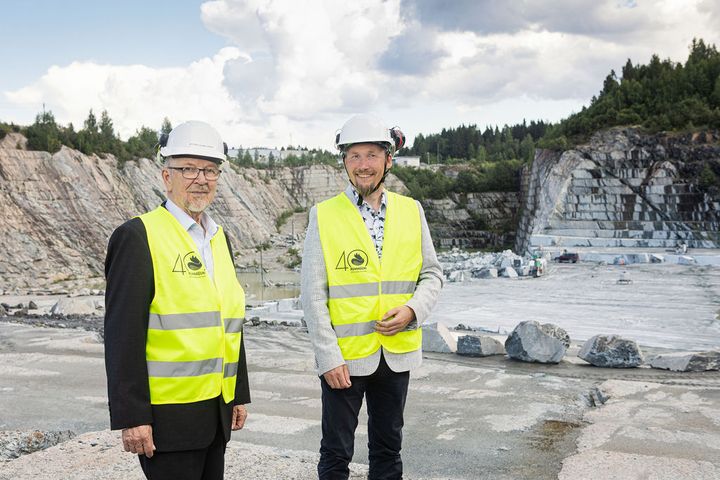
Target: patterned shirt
<point x="374" y="221"/>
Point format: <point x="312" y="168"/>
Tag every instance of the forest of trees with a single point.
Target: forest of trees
<point x="468" y="143"/>
<point x="95" y="137"/>
<point x="660" y="96"/>
<point x="494" y="159"/>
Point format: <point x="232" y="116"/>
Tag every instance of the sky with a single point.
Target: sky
<point x="274" y="73"/>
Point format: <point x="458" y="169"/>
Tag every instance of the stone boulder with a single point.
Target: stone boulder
<point x="479" y="346"/>
<point x="77" y="306"/>
<point x="437" y="338"/>
<point x="611" y="351"/>
<point x="3" y="311"/>
<point x="531" y="341"/>
<point x="687" y="361"/>
<point x="32" y="305"/>
<point x="485" y="273"/>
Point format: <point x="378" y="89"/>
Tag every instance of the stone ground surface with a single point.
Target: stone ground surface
<point x="466" y="418"/>
<point x="667" y="306"/>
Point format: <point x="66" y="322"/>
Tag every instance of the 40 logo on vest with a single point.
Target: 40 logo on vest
<point x="190" y="264"/>
<point x="354" y="261"/>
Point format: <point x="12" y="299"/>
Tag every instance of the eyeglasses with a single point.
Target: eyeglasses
<point x="191" y="173"/>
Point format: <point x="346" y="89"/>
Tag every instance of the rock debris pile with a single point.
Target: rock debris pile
<point x="460" y="266"/>
<point x="15" y="443"/>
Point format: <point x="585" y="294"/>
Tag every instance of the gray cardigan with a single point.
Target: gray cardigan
<point x="314" y="295"/>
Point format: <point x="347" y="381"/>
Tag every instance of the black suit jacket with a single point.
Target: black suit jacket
<point x="129" y="292"/>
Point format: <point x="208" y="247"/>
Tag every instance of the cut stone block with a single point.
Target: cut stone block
<point x="437" y="338"/>
<point x="687" y="361"/>
<point x="509" y="272"/>
<point x="479" y="346"/>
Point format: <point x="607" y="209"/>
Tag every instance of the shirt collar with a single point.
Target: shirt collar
<point x="187" y="221"/>
<point x="353" y="195"/>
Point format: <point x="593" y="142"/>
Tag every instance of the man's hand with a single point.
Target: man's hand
<point x="239" y="416"/>
<point x="395" y="320"/>
<point x="338" y="377"/>
<point x="139" y="440"/>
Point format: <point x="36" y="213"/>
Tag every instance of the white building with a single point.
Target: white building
<point x="407" y="161"/>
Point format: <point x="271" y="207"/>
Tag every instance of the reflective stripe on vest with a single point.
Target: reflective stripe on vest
<point x="195" y="324"/>
<point x="361" y="288"/>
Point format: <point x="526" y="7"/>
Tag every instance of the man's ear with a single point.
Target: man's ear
<point x="165" y="174"/>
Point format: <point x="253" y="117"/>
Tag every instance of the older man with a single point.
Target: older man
<point x="369" y="279"/>
<point x="174" y="356"/>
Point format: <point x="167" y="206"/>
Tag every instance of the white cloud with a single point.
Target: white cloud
<point x="296" y="70"/>
<point x="134" y="95"/>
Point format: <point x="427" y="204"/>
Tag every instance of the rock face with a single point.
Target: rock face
<point x="59" y="210"/>
<point x="437" y="338"/>
<point x="479" y="346"/>
<point x="687" y="361"/>
<point x="611" y="351"/>
<point x="531" y="341"/>
<point x="473" y="220"/>
<point x="621" y="189"/>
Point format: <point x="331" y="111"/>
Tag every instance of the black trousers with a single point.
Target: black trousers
<point x="385" y="392"/>
<point x="203" y="464"/>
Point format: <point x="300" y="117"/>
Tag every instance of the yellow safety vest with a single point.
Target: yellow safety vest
<point x="361" y="288"/>
<point x="195" y="325"/>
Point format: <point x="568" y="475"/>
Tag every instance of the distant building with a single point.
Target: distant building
<point x="407" y="161"/>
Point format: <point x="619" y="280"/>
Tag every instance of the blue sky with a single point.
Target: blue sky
<point x="275" y="72"/>
<point x="160" y="33"/>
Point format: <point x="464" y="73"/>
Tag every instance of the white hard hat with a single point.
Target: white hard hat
<point x="195" y="139"/>
<point x="364" y="128"/>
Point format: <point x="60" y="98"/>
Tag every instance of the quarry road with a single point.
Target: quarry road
<point x="485" y="418"/>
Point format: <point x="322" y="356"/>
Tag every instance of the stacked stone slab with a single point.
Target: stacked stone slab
<point x="622" y="189"/>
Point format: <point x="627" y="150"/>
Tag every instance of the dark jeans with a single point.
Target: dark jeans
<point x="385" y="392"/>
<point x="204" y="464"/>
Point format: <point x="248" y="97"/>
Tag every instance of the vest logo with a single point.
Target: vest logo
<point x="194" y="264"/>
<point x="190" y="264"/>
<point x="354" y="261"/>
